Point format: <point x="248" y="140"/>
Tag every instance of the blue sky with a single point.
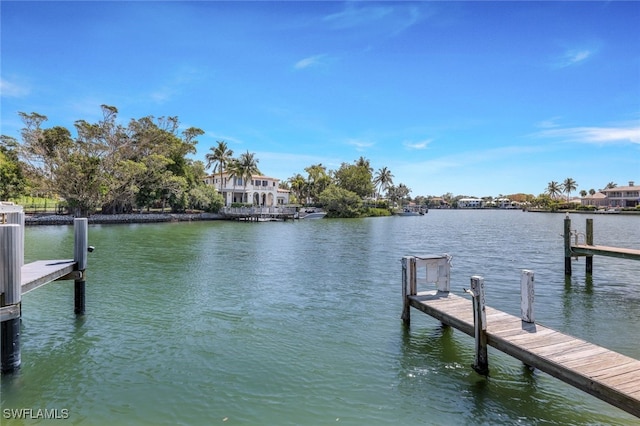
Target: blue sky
<point x="472" y="98"/>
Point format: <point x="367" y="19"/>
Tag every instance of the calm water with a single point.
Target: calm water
<point x="298" y="323"/>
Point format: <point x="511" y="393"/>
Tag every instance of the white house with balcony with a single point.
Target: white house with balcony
<point x="623" y="196"/>
<point x="259" y="191"/>
<point x="470" y="203"/>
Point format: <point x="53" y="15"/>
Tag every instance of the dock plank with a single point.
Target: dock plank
<point x="41" y="272"/>
<point x="605" y="374"/>
<point x="588" y="250"/>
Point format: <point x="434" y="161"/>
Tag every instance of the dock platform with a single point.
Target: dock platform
<point x="590" y="250"/>
<point x="37" y="274"/>
<point x="605" y="374"/>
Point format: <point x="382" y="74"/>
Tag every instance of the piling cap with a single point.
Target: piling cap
<point x="9" y="207"/>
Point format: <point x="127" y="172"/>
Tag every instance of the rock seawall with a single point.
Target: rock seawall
<point x="122" y="218"/>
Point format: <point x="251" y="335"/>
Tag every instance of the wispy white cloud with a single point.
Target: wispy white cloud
<point x="359" y="144"/>
<point x="575" y="56"/>
<point x="392" y="19"/>
<point x="418" y="145"/>
<point x="353" y="16"/>
<point x="549" y="123"/>
<point x="310" y="61"/>
<point x="12" y="89"/>
<point x="623" y="134"/>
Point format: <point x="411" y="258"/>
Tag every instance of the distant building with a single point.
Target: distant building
<point x="622" y="196"/>
<point x="597" y="200"/>
<point x="260" y="191"/>
<point x="470" y="203"/>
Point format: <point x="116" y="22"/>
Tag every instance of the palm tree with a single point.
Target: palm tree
<point x="363" y="162"/>
<point x="611" y="185"/>
<point x="569" y="185"/>
<point x="298" y="184"/>
<point x="233" y="168"/>
<point x="383" y="179"/>
<point x="221" y="155"/>
<point x="554" y="189"/>
<point x="248" y="164"/>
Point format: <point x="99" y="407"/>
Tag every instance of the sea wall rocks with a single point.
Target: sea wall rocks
<point x="122" y="218"/>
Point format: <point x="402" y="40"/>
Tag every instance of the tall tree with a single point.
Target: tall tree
<point x="298" y="186"/>
<point x="12" y="179"/>
<point x="383" y="179"/>
<point x="317" y="181"/>
<point x="248" y="164"/>
<point x="554" y="189"/>
<point x="569" y="185"/>
<point x="354" y="178"/>
<point x="220" y="156"/>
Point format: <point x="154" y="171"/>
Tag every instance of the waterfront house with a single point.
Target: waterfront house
<point x="470" y="203"/>
<point x="597" y="200"/>
<point x="622" y="196"/>
<point x="259" y="191"/>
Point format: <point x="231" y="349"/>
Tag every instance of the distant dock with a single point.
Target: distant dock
<point x="573" y="247"/>
<point x="605" y="374"/>
<point x="259" y="214"/>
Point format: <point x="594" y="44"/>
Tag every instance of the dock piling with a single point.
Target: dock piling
<point x="10" y="286"/>
<point x="481" y="362"/>
<point x="527" y="295"/>
<point x="589" y="240"/>
<point x="567" y="245"/>
<point x="80" y="250"/>
<point x="408" y="286"/>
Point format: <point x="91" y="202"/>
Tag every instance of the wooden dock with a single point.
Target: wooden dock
<point x="574" y="248"/>
<point x="590" y="250"/>
<point x="607" y="375"/>
<point x="16" y="278"/>
<point x="37" y="274"/>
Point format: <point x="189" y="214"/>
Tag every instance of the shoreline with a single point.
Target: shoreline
<point x="104" y="219"/>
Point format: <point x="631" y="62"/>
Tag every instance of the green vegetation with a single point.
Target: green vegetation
<point x="108" y="167"/>
<point x="113" y="168"/>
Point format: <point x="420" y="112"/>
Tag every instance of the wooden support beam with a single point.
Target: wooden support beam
<point x="588" y="266"/>
<point x="567" y="245"/>
<point x="80" y="250"/>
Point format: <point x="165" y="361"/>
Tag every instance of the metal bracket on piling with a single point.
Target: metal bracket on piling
<point x="73" y="275"/>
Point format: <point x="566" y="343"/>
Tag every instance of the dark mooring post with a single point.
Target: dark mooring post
<point x="80" y="249"/>
<point x="10" y="284"/>
<point x="409" y="286"/>
<point x="481" y="363"/>
<point x="589" y="261"/>
<point x="567" y="245"/>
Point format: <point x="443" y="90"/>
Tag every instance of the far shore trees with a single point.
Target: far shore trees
<point x="113" y="167"/>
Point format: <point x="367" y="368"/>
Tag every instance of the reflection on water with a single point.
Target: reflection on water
<point x="299" y="323"/>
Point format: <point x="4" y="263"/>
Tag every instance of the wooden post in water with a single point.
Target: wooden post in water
<point x="409" y="286"/>
<point x="567" y="245"/>
<point x="526" y="296"/>
<point x="10" y="285"/>
<point x="481" y="363"/>
<point x="80" y="249"/>
<point x="589" y="240"/>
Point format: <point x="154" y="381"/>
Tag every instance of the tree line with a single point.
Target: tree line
<point x="107" y="166"/>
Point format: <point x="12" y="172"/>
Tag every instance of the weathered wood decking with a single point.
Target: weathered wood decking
<point x="590" y="250"/>
<point x="37" y="274"/>
<point x="607" y="375"/>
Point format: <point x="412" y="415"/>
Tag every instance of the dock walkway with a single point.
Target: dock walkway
<point x="36" y="274"/>
<point x="605" y="374"/>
